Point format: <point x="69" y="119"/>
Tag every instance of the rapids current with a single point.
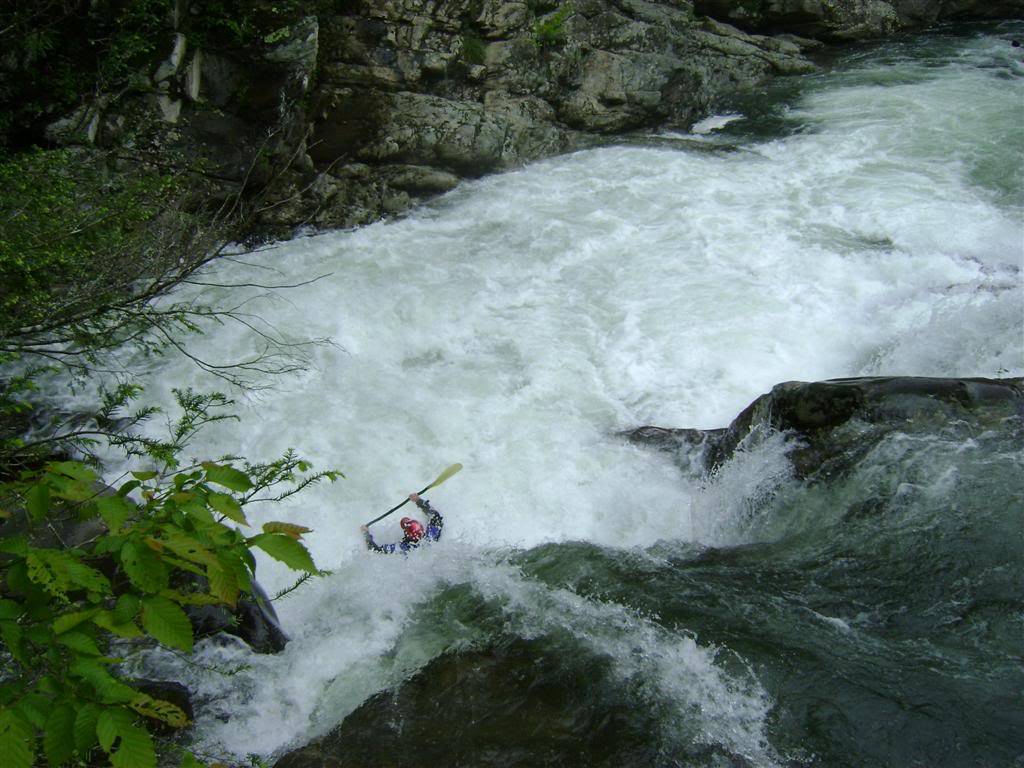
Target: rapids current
<point x="866" y="220"/>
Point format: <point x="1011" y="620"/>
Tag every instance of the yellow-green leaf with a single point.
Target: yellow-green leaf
<point x="286" y="549"/>
<point x="184" y="546"/>
<point x="143" y="567"/>
<point x="115" y="511"/>
<point x="223" y="583"/>
<point x="161" y="710"/>
<point x="227" y="506"/>
<point x="76" y="470"/>
<point x="288" y="529"/>
<point x="228" y="476"/>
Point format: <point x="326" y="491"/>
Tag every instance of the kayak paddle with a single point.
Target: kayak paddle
<point x="440" y="479"/>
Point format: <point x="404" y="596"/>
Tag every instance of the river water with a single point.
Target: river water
<point x="867" y="220"/>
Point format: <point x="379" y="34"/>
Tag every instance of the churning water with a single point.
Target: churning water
<point x="863" y="221"/>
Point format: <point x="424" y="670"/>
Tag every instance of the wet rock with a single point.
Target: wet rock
<point x="502" y="707"/>
<point x="844" y="20"/>
<point x="462" y="88"/>
<point x="254" y="620"/>
<point x="834" y="422"/>
<point x="689" y="447"/>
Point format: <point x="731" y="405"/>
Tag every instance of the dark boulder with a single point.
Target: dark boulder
<point x="833" y="422"/>
<point x="254" y="620"/>
<point x="516" y="704"/>
<point x="849" y="20"/>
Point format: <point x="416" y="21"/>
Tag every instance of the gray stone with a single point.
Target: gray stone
<point x="172" y="65"/>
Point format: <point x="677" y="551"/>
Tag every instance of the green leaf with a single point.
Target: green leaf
<point x="227" y="506"/>
<point x="49" y="569"/>
<point x="87" y="577"/>
<point x="115" y="511"/>
<point x="184" y="546"/>
<point x="223" y="583"/>
<point x="105" y="620"/>
<point x="110" y="723"/>
<point x="9" y="609"/>
<point x="85" y="728"/>
<point x="166" y="622"/>
<point x="135" y="750"/>
<point x="34" y="708"/>
<point x="145" y="475"/>
<point x="128" y="487"/>
<point x="286" y="549"/>
<point x="11" y="634"/>
<point x="71" y="620"/>
<point x="228" y="476"/>
<point x="17" y="742"/>
<point x="126" y="609"/>
<point x="144" y="567"/>
<point x="107" y="687"/>
<point x="15" y="545"/>
<point x="59" y="735"/>
<point x="37" y="501"/>
<point x="80" y="642"/>
<point x="188" y="760"/>
<point x="191" y="598"/>
<point x="76" y="470"/>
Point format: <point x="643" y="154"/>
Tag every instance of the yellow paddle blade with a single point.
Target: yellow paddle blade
<point x="444" y="475"/>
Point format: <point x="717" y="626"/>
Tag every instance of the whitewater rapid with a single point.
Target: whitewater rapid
<point x="519" y="323"/>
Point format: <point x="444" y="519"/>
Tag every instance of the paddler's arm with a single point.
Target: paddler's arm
<point x="435" y="522"/>
<point x="384" y="549"/>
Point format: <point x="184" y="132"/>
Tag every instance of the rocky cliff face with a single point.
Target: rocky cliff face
<point x="413" y="96"/>
<point x="359" y="113"/>
<point x="845" y="20"/>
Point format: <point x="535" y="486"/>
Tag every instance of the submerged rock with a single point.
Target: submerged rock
<point x="515" y="705"/>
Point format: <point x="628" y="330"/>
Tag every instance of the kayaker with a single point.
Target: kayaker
<point x="414" y="533"/>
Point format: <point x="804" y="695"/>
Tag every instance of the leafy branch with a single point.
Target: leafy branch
<point x="64" y="604"/>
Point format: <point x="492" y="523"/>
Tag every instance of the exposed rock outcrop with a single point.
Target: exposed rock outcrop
<point x="833" y="422"/>
<point x="845" y="20"/>
<point x="359" y="113"/>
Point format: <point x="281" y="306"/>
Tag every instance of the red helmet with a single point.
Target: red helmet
<point x="413" y="528"/>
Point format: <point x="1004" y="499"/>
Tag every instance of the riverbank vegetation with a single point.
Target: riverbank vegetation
<point x="92" y="244"/>
<point x="88" y="571"/>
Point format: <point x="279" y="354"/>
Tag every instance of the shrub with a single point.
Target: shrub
<point x="551" y="30"/>
<point x="63" y="602"/>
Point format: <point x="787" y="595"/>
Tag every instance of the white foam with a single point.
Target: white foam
<point x="520" y="322"/>
<point x="714" y="123"/>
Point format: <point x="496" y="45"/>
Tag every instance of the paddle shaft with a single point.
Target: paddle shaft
<point x="440" y="479"/>
<point x="397" y="507"/>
